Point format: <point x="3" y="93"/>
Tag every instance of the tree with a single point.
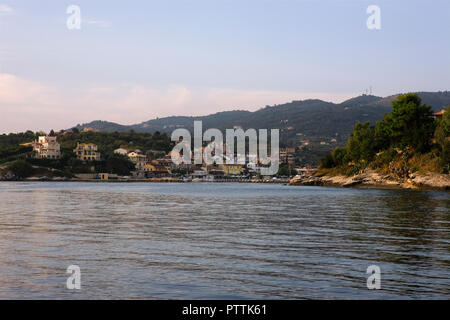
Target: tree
<point x="327" y="161"/>
<point x="361" y="145"/>
<point x="408" y="124"/>
<point x="442" y="137"/>
<point x="119" y="164"/>
<point x="340" y="156"/>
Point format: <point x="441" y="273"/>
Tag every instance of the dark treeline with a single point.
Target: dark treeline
<point x="407" y="139"/>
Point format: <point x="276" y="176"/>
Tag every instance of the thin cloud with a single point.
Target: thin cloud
<point x="51" y="107"/>
<point x="97" y="23"/>
<point x="6" y="10"/>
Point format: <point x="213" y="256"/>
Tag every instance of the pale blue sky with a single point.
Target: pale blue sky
<point x="136" y="60"/>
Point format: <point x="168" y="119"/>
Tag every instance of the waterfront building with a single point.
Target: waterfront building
<point x="107" y="176"/>
<point x="87" y="152"/>
<point x="139" y="159"/>
<point x="166" y="161"/>
<point x="216" y="173"/>
<point x="152" y="171"/>
<point x="231" y="169"/>
<point x="149" y="168"/>
<point x="287" y="155"/>
<point x="199" y="174"/>
<point x="46" y="147"/>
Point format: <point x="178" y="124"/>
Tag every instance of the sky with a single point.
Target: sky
<point x="132" y="61"/>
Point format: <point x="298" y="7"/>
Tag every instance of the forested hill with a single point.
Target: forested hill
<point x="310" y="117"/>
<point x="318" y="126"/>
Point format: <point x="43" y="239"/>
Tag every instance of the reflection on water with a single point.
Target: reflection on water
<point x="219" y="241"/>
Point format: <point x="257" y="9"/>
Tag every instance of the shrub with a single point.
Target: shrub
<point x="327" y="161"/>
<point x="21" y="168"/>
<point x="429" y="162"/>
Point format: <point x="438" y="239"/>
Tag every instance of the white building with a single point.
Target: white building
<point x="139" y="159"/>
<point x="121" y="151"/>
<point x="46" y="147"/>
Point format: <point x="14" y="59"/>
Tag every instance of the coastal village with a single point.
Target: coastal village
<point x="96" y="156"/>
<point x="147" y="168"/>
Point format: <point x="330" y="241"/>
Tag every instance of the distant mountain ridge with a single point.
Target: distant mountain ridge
<point x="313" y="123"/>
<point x="300" y="115"/>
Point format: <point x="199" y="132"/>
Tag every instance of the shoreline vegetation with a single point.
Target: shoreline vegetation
<point x="372" y="179"/>
<point x="409" y="148"/>
<point x="369" y="179"/>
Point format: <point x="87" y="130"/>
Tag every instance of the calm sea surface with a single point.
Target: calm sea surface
<point x="221" y="241"/>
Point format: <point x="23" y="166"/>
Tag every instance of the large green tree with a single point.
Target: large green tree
<point x="410" y="123"/>
<point x="361" y="145"/>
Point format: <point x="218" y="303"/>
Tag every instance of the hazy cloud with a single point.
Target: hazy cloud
<point x="32" y="105"/>
<point x="97" y="23"/>
<point x="6" y="10"/>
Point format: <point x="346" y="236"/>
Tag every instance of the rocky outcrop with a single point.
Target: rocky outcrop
<point x="7" y="176"/>
<point x="373" y="179"/>
<point x="435" y="180"/>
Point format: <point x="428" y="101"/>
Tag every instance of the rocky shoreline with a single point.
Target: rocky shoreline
<point x="367" y="179"/>
<point x="9" y="176"/>
<point x="373" y="179"/>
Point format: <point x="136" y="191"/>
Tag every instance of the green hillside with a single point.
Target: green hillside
<point x="315" y="127"/>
